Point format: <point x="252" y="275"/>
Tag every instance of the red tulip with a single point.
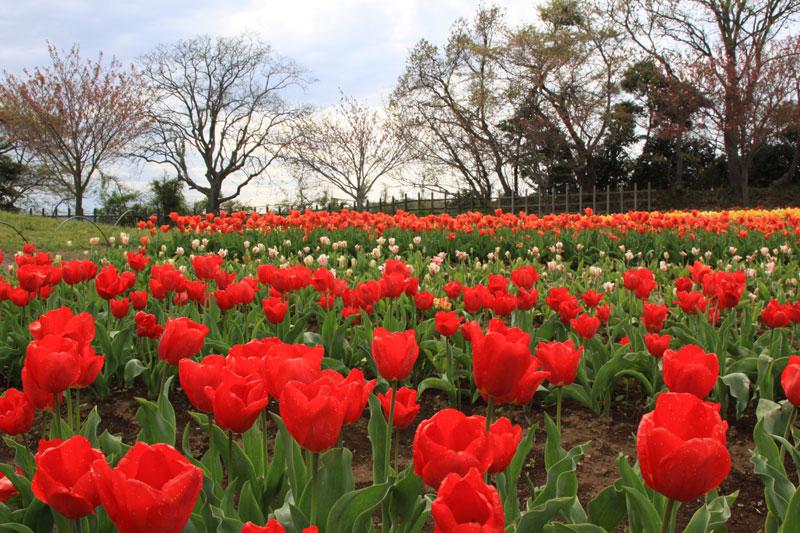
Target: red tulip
<point x="290" y="362"/>
<point x="585" y="325"/>
<point x="195" y="377"/>
<point x="690" y="369"/>
<point x="119" y="308"/>
<point x="275" y="309"/>
<point x="776" y="315"/>
<point x="354" y="391"/>
<point x="137" y="261"/>
<point x="7" y="488"/>
<point x="653" y="316"/>
<point x="313" y="413"/>
<point x="41" y="399"/>
<point x="790" y="380"/>
<point x="603" y="312"/>
<point x="450" y="442"/>
<point x="465" y="503"/>
<point x="453" y="289"/>
<point x="64" y="323"/>
<point x="237" y="402"/>
<point x="640" y="281"/>
<point x="691" y="302"/>
<point x="423" y="301"/>
<point x="498" y="363"/>
<point x="16" y="412"/>
<point x="656" y="344"/>
<point x="682" y="447"/>
<point x="560" y="359"/>
<point x="147" y="326"/>
<point x="182" y="338"/>
<point x="153" y="488"/>
<point x="725" y="288"/>
<point x="91" y="365"/>
<point x="273" y="526"/>
<point x="394" y="353"/>
<point x="505" y="438"/>
<point x="447" y="323"/>
<point x="54" y="363"/>
<point x="406" y="407"/>
<point x="138" y="299"/>
<point x="592" y="298"/>
<point x="108" y="283"/>
<point x="63" y="477"/>
<point x="524" y="277"/>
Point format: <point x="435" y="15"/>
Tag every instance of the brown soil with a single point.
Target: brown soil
<point x="607" y="437"/>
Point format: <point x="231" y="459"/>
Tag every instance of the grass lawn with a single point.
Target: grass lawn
<point x="56" y="235"/>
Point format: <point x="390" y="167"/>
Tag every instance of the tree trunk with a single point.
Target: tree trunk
<point x="677" y="180"/>
<point x="79" y="203"/>
<point x="212" y="199"/>
<point x="360" y="201"/>
<point x="737" y="177"/>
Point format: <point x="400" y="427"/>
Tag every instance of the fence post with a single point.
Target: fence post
<point x="580" y="199"/>
<point x="527" y="194"/>
<point x="566" y="198"/>
<point x="649" y="190"/>
<point x="512" y="200"/>
<point x="394" y="207"/>
<point x="472" y="202"/>
<point x="608" y="198"/>
<point x="43" y="212"/>
<point x="539" y="201"/>
<point x="635" y="196"/>
<point x="380" y="204"/>
<point x="432" y="208"/>
<point x="594" y="197"/>
<point x="621" y="199"/>
<point x="445" y="202"/>
<point x="553" y="200"/>
<point x="55" y="212"/>
<point x="405" y="202"/>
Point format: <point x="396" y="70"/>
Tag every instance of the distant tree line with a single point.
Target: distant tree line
<point x="680" y="94"/>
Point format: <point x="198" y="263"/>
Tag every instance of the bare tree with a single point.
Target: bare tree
<point x="223" y="108"/>
<point x="727" y="48"/>
<point x="572" y="64"/>
<point x="74" y="116"/>
<point x="351" y="147"/>
<point x="452" y="101"/>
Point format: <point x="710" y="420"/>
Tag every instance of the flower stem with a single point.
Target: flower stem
<point x="559" y="394"/>
<point x="389" y="431"/>
<point x="314" y="483"/>
<point x="668" y="524"/>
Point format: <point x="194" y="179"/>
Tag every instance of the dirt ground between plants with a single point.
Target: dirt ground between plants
<point x="607" y="437"/>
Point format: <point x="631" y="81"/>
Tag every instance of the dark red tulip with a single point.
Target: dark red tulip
<point x="592" y="298"/>
<point x="724" y="288"/>
<point x="109" y="284"/>
<point x="182" y="338"/>
<point x="313" y="413"/>
<point x="63" y="477"/>
<point x="147" y="326"/>
<point x="406" y="407"/>
<point x="603" y="312"/>
<point x="453" y="289"/>
<point x="7" y="489"/>
<point x="136" y="261"/>
<point x="776" y="315"/>
<point x="354" y="392"/>
<point x="64" y="323"/>
<point x="290" y="362"/>
<point x="682" y="447"/>
<point x="640" y="281"/>
<point x="465" y="503"/>
<point x="423" y="300"/>
<point x="524" y="277"/>
<point x="394" y="353"/>
<point x="450" y="442"/>
<point x="560" y="359"/>
<point x="16" y="412"/>
<point x="161" y="482"/>
<point x="690" y="369"/>
<point x="138" y="299"/>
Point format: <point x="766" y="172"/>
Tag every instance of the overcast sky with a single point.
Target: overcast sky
<point x="356" y="46"/>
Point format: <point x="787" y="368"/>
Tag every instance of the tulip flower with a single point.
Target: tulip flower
<point x="690" y="369"/>
<point x="585" y="326"/>
<point x="790" y="380"/>
<point x="7" y="488"/>
<point x="152" y="488"/>
<point x="682" y="448"/>
<point x="560" y="360"/>
<point x="394" y="353"/>
<point x="182" y="338"/>
<point x="195" y="377"/>
<point x="63" y="476"/>
<point x="16" y="412"/>
<point x="505" y="438"/>
<point x="274" y="309"/>
<point x="406" y="406"/>
<point x="498" y="363"/>
<point x="657" y="344"/>
<point x="450" y="442"/>
<point x="54" y="363"/>
<point x="313" y="413"/>
<point x="236" y="402"/>
<point x="466" y="503"/>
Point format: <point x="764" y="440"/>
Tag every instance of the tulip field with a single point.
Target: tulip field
<point x="351" y="371"/>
